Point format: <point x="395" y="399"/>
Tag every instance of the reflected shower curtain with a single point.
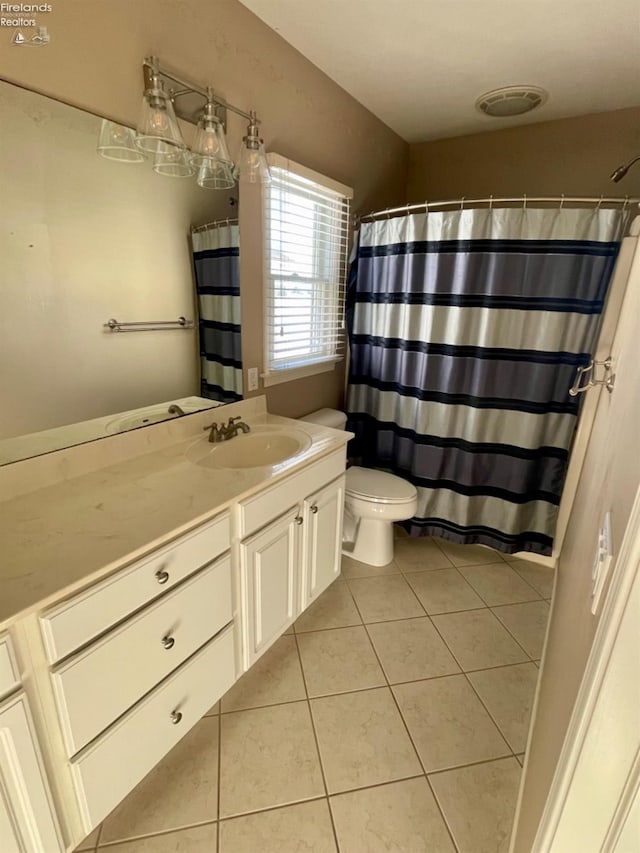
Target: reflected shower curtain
<point x="466" y="330"/>
<point x="216" y="260"/>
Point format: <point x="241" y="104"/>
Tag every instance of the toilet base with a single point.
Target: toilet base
<point x="373" y="544"/>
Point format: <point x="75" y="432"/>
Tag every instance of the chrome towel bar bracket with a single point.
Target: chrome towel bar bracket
<point x="608" y="379"/>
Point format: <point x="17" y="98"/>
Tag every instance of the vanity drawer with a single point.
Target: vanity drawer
<point x="9" y="673"/>
<point x="107" y="770"/>
<point x="255" y="512"/>
<point x="93" y="611"/>
<point x="98" y="685"/>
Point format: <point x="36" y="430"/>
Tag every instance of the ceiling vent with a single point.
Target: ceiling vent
<point x="511" y="101"/>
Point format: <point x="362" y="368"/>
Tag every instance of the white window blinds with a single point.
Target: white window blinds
<point x="306" y="253"/>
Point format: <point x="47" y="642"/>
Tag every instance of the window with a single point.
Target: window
<point x="306" y="246"/>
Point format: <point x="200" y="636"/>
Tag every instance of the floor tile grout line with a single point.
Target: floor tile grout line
<point x="407" y="583"/>
<point x="553" y="571"/>
<point x="409" y="735"/>
<point x="107" y="844"/>
<point x="531" y="657"/>
<point x="317" y="743"/>
<point x="491" y="717"/>
<point x="483" y="597"/>
<point x="472" y="764"/>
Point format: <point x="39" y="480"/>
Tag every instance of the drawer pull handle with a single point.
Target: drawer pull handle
<point x="168" y="642"/>
<point x="162" y="576"/>
<point x="299" y="519"/>
<point x="314" y="509"/>
<point x="176" y="716"/>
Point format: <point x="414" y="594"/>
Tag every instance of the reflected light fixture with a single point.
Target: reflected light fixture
<point x="173" y="162"/>
<point x="117" y="142"/>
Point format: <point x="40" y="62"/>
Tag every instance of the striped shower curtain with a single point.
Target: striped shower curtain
<point x="216" y="259"/>
<point x="466" y="330"/>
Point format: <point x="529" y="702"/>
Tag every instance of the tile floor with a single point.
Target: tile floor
<point x="392" y="717"/>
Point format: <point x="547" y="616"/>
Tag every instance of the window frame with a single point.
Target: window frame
<point x="275" y="376"/>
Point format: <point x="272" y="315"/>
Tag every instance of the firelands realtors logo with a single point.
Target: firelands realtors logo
<point x="21" y="17"/>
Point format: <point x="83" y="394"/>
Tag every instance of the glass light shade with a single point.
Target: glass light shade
<point x="215" y="175"/>
<point x="252" y="167"/>
<point x="210" y="142"/>
<point x="173" y="162"/>
<point x="158" y="125"/>
<point x="117" y="142"/>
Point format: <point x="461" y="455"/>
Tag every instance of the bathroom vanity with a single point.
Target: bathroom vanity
<point x="134" y="594"/>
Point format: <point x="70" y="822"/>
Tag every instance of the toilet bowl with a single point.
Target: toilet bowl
<point x="373" y="501"/>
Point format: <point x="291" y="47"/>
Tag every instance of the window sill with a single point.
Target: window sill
<point x="277" y="377"/>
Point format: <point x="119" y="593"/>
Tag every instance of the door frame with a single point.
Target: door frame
<point x="583" y="725"/>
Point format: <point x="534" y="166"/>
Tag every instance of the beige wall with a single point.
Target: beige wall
<point x="574" y="156"/>
<point x="609" y="481"/>
<point x="94" y="61"/>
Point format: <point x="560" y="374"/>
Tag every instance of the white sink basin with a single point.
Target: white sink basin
<point x="263" y="446"/>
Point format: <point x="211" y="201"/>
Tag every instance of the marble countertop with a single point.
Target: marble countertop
<point x="61" y="538"/>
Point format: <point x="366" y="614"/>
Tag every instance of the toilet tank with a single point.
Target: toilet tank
<point x="327" y="417"/>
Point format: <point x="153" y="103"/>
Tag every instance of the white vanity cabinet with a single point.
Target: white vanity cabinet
<point x="27" y="819"/>
<point x="293" y="556"/>
<point x="322" y="539"/>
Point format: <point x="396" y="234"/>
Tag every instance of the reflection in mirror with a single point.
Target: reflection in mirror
<point x="84" y="239"/>
<point x="216" y="264"/>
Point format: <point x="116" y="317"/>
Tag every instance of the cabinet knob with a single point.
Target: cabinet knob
<point x="314" y="509"/>
<point x="168" y="642"/>
<point x="299" y="519"/>
<point x="162" y="576"/>
<point x="176" y="716"/>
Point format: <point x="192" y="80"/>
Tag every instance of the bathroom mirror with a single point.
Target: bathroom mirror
<point x="83" y="240"/>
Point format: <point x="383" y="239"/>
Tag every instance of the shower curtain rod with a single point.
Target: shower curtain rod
<point x="217" y="224"/>
<point x="470" y="202"/>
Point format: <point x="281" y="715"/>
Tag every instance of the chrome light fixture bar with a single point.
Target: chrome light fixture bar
<point x="168" y="95"/>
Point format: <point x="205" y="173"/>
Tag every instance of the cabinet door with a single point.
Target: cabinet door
<point x="27" y="821"/>
<point x="269" y="566"/>
<point x="322" y="539"/>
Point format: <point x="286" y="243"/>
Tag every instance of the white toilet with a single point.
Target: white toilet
<point x="373" y="501"/>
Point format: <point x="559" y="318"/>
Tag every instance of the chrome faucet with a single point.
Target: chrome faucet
<point x="174" y="409"/>
<point x="224" y="432"/>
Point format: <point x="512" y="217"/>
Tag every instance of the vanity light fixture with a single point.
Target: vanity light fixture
<point x="168" y="97"/>
<point x="158" y="125"/>
<point x="252" y="165"/>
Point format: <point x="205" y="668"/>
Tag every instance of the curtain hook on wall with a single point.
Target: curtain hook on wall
<point x="561" y="201"/>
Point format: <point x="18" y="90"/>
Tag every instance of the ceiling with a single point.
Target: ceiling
<point x="419" y="65"/>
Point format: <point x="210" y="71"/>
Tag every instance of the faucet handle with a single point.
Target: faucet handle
<point x="233" y="420"/>
<point x="211" y="426"/>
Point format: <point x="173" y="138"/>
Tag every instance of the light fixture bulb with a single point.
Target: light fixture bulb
<point x="210" y="143"/>
<point x="252" y="165"/>
<point x="158" y="125"/>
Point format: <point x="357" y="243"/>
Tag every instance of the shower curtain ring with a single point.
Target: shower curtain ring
<point x="524" y="201"/>
<point x="626" y="202"/>
<point x="599" y="204"/>
<point x="561" y="201"/>
<point x="490" y="203"/>
<point x="386" y="210"/>
<point x="462" y="203"/>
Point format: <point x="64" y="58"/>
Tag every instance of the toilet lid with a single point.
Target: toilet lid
<point x="379" y="486"/>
